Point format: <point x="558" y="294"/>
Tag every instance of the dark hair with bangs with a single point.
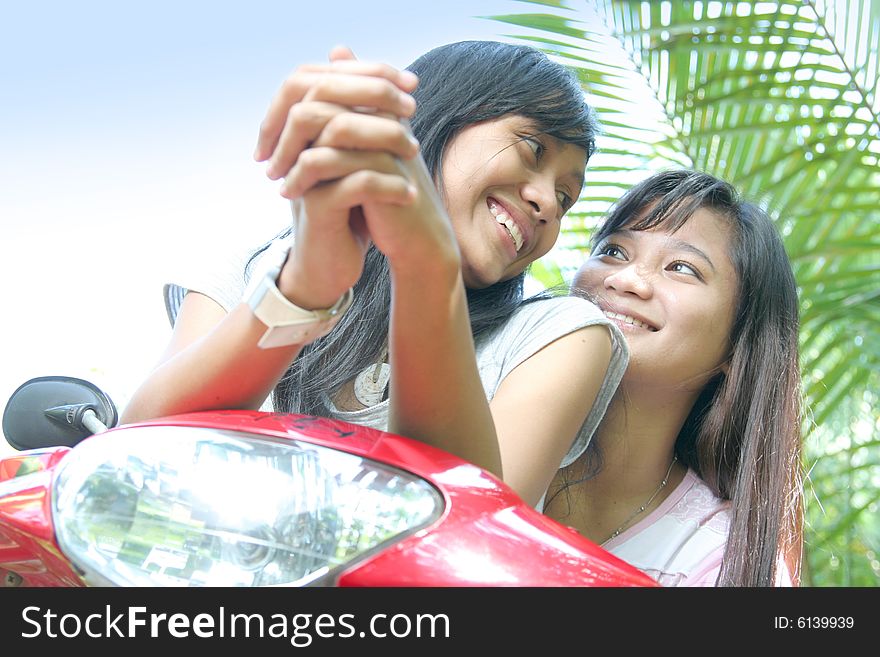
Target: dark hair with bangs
<point x="460" y="84"/>
<point x="742" y="436"/>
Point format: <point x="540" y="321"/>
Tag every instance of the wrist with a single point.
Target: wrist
<point x="442" y="266"/>
<point x="297" y="288"/>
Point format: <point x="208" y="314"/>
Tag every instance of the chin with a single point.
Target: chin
<point x="479" y="280"/>
<point x="490" y="272"/>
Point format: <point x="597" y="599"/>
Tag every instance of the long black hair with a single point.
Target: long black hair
<point x="460" y="84"/>
<point x="742" y="436"/>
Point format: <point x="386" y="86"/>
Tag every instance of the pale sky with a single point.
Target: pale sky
<point x="126" y="133"/>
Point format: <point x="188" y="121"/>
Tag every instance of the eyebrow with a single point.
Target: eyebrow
<point x="679" y="245"/>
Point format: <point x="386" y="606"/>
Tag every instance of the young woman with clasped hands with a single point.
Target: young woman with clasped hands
<point x="437" y="284"/>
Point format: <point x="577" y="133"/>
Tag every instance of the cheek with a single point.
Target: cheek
<point x="588" y="277"/>
<point x="724" y="331"/>
<point x="456" y="185"/>
<point x="548" y="239"/>
<point x="452" y="193"/>
<point x="711" y="329"/>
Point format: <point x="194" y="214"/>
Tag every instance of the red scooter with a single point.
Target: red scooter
<point x="242" y="498"/>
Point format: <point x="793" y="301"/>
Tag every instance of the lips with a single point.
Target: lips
<point x="518" y="228"/>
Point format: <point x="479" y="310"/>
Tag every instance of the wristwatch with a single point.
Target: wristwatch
<point x="288" y="323"/>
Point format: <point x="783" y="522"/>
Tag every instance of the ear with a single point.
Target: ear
<point x="725" y="367"/>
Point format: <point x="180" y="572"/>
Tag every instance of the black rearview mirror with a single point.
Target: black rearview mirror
<point x="56" y="410"/>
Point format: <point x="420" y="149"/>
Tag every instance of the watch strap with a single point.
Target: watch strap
<point x="287" y="323"/>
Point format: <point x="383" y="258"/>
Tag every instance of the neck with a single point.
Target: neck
<point x="637" y="441"/>
<point x="637" y="436"/>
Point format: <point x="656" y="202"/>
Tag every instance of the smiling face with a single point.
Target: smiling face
<point x="672" y="294"/>
<point x="506" y="188"/>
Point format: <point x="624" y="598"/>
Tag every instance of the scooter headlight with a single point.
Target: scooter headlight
<point x="181" y="506"/>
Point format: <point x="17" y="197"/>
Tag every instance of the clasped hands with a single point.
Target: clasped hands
<point x="333" y="132"/>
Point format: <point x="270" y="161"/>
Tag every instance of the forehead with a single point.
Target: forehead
<point x="704" y="227"/>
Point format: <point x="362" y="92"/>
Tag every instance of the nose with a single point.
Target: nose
<point x="631" y="279"/>
<point x="540" y="195"/>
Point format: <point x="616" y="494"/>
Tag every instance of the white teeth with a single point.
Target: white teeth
<point x="512" y="228"/>
<point x="629" y="320"/>
<point x="502" y="218"/>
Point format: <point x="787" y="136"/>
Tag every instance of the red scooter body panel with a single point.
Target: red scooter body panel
<point x="27" y="536"/>
<point x="486" y="536"/>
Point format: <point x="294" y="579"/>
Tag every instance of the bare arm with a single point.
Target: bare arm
<point x="436" y="392"/>
<point x="212" y="362"/>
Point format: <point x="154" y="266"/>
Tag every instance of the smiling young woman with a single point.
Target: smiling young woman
<point x="435" y="340"/>
<point x="695" y="468"/>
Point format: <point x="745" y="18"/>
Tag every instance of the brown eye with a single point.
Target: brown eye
<point x="536" y="146"/>
<point x="565" y="201"/>
<point x="611" y="250"/>
<point x="680" y="267"/>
